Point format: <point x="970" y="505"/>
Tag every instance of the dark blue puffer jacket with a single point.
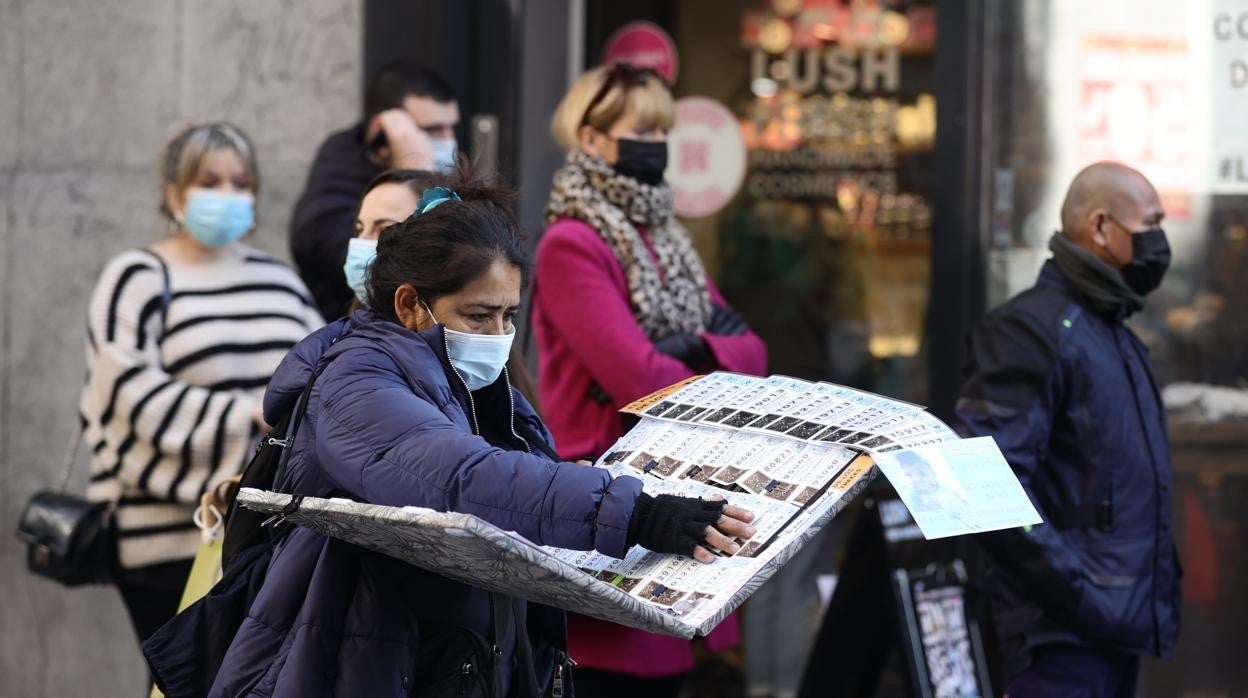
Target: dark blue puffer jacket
<point x="390" y="422"/>
<point x="1069" y="397"/>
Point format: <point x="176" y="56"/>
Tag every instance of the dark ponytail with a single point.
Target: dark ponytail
<point x="441" y="251"/>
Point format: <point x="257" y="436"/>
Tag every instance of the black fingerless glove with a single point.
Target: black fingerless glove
<point x="726" y="321"/>
<point x="671" y="524"/>
<point x="689" y="349"/>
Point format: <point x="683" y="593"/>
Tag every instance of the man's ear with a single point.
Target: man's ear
<point x="1096" y="224"/>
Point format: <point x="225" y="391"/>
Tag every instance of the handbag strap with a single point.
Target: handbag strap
<point x="71" y="457"/>
<point x="166" y="298"/>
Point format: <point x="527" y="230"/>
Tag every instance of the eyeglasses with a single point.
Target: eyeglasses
<point x="621" y="74"/>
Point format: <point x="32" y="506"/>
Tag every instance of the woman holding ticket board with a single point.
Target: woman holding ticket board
<point x="623" y="307"/>
<point x="412" y="406"/>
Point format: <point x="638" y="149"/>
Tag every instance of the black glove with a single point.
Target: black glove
<point x="726" y="322"/>
<point x="671" y="524"/>
<point x="689" y="349"/>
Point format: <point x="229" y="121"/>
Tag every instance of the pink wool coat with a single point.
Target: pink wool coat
<point x="587" y="335"/>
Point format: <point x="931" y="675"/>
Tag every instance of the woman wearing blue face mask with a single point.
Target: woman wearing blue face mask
<point x="413" y="405"/>
<point x="390" y="198"/>
<point x="183" y="336"/>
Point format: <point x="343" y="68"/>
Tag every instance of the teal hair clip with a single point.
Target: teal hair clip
<point x="434" y="196"/>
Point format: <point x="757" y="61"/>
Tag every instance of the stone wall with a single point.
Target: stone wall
<point x="90" y="90"/>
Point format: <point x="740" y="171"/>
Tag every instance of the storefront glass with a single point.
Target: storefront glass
<point x="1163" y="87"/>
<point x="826" y="249"/>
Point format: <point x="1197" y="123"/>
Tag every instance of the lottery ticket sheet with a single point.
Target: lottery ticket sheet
<point x="668" y="594"/>
<point x="792" y="452"/>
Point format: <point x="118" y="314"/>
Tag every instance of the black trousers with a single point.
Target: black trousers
<point x="592" y="683"/>
<point x="1067" y="670"/>
<point x="151" y="594"/>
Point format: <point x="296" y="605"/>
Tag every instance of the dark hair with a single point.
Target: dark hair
<point x="395" y="82"/>
<point x="442" y="250"/>
<point x="415" y="180"/>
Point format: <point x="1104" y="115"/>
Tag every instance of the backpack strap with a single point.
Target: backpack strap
<point x="526" y="669"/>
<point x="500" y="625"/>
<point x="296" y="418"/>
<point x="507" y="612"/>
<point x="244" y="528"/>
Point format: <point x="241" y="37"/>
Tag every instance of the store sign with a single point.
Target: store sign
<point x="831" y="70"/>
<point x="1134" y="109"/>
<point x="1230" y="97"/>
<point x="706" y="157"/>
<point x="644" y="45"/>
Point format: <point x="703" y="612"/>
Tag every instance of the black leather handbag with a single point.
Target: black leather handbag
<point x="68" y="538"/>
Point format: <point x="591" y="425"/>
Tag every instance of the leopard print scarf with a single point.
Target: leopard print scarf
<point x="668" y="298"/>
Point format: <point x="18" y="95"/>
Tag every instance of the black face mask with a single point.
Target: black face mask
<point x="644" y="161"/>
<point x="1150" y="258"/>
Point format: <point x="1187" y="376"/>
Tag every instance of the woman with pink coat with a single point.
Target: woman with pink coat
<point x="622" y="307"/>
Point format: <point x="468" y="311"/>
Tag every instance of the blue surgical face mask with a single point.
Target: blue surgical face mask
<point x="360" y="254"/>
<point x="218" y="218"/>
<point x="479" y="358"/>
<point x="443" y="154"/>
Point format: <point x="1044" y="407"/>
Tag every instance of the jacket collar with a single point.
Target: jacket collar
<point x="494" y="402"/>
<point x="1052" y="276"/>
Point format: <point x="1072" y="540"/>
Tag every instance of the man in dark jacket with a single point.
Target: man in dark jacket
<point x="410" y="115"/>
<point x="1066" y="390"/>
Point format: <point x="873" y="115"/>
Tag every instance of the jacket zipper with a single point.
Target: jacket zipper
<point x="512" y="422"/>
<point x="556" y="689"/>
<point x="562" y="660"/>
<point x="465" y="675"/>
<point x="472" y="404"/>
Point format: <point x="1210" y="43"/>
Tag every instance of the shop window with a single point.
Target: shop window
<point x="826" y="249"/>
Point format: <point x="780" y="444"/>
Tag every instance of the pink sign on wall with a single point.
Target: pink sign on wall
<point x="644" y="45"/>
<point x="706" y="157"/>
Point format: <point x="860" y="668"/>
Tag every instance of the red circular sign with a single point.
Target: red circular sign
<point x="645" y="45"/>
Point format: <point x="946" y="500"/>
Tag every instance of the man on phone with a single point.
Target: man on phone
<point x="410" y="115"/>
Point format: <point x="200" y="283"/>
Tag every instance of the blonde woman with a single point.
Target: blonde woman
<point x="182" y="337"/>
<point x="623" y="307"/>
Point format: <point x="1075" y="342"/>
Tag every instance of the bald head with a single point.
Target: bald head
<point x="1106" y="202"/>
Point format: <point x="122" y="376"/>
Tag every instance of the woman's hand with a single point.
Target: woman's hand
<point x="688" y="526"/>
<point x="733" y="523"/>
<point x="689" y="349"/>
<point x="258" y="418"/>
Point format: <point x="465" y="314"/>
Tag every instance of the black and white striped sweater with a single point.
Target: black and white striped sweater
<point x="174" y="382"/>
